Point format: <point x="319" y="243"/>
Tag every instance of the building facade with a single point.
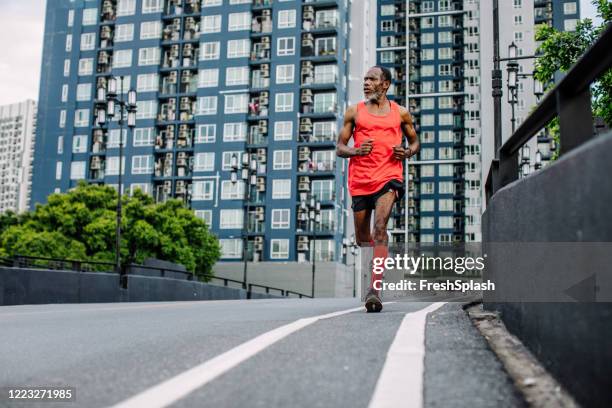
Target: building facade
<point x="216" y="80"/>
<point x="17" y="137"/>
<point x="441" y="55"/>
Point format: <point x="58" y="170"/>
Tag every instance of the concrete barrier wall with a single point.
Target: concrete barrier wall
<point x="569" y="201"/>
<point x="20" y="286"/>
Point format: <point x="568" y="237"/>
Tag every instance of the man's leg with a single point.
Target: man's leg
<point x="384" y="205"/>
<point x="362" y="227"/>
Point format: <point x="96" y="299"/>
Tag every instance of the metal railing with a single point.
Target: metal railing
<point x="36" y="262"/>
<point x="570" y="100"/>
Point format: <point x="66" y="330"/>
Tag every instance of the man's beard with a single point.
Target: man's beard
<point x="374" y="96"/>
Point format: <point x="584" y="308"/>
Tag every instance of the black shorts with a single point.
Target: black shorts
<point x="365" y="202"/>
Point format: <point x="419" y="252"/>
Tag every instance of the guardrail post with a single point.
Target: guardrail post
<point x="575" y="118"/>
<point x="508" y="169"/>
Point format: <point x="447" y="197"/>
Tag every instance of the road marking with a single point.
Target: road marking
<point x="401" y="380"/>
<point x="175" y="388"/>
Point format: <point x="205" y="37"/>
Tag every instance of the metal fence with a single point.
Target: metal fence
<point x="570" y="100"/>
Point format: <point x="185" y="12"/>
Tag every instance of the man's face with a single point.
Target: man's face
<point x="374" y="86"/>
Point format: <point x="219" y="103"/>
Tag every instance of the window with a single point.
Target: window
<point x="427" y="170"/>
<point x="150" y="30"/>
<point x="234" y="132"/>
<point x="281" y="189"/>
<point x="209" y="51"/>
<point x="279" y="248"/>
<point x="324" y="131"/>
<point x="237" y="103"/>
<point x="427" y="103"/>
<point x="124" y="32"/>
<point x="285" y="46"/>
<point x="88" y="41"/>
<point x="77" y="170"/>
<point x="323" y="189"/>
<point x="387" y="25"/>
<point x="240" y="1"/>
<point x="445" y="21"/>
<point x="112" y="166"/>
<point x="144" y="187"/>
<point x="325" y="102"/>
<point x="90" y="16"/>
<point x="427" y="22"/>
<point x="231" y="219"/>
<point x="146" y="109"/>
<point x="238" y="48"/>
<point x="570" y="24"/>
<point x="445" y="222"/>
<point x="446" y="187"/>
<point x="207" y="105"/>
<point x="152" y="6"/>
<point x="427" y="54"/>
<point x="202" y="190"/>
<point x="144" y="137"/>
<point x="445" y="136"/>
<point x="445" y="53"/>
<point x="60" y="145"/>
<point x="149" y="56"/>
<point x="325" y="249"/>
<point x="70" y="18"/>
<point x="142" y="164"/>
<point x="325" y="74"/>
<point x="283" y="102"/>
<point x="66" y="67"/>
<point x="211" y="24"/>
<point x="62" y="119"/>
<point x="206" y="134"/>
<point x="286" y="19"/>
<point x="79" y="144"/>
<point x="427" y="154"/>
<point x="518" y="36"/>
<point x="284" y="74"/>
<point x="445" y="170"/>
<point x="147" y="83"/>
<point x="58" y="170"/>
<point x="427" y="205"/>
<point x="232" y="191"/>
<point x="236" y="76"/>
<point x="444" y="69"/>
<point x="518" y="20"/>
<point x="204" y="161"/>
<point x="387" y="10"/>
<point x="282" y="160"/>
<point x="445" y="119"/>
<point x="325" y="46"/>
<point x="445" y="37"/>
<point x="68" y="42"/>
<point x="428" y="120"/>
<point x="122" y="59"/>
<point x="239" y="21"/>
<point x="208" y="78"/>
<point x="427" y="70"/>
<point x="517" y="3"/>
<point x="387" y="57"/>
<point x="210" y="3"/>
<point x="427" y="222"/>
<point x="83" y="92"/>
<point x="226" y="160"/>
<point x="126" y="7"/>
<point x="427" y="6"/>
<point x="283" y="130"/>
<point x="113" y="138"/>
<point x="64" y="93"/>
<point x="81" y="118"/>
<point x="445" y="205"/>
<point x="231" y="248"/>
<point x="569" y="8"/>
<point x="205" y="215"/>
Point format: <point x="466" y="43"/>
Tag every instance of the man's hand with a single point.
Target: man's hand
<point x="365" y="148"/>
<point x="399" y="153"/>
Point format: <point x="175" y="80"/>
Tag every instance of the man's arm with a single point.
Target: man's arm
<point x="342" y="148"/>
<point x="413" y="141"/>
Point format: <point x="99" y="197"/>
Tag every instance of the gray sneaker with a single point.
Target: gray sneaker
<point x="372" y="302"/>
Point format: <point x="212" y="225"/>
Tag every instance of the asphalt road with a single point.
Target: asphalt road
<point x="112" y="352"/>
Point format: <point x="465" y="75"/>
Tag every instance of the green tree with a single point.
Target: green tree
<point x="561" y="49"/>
<point x="81" y="224"/>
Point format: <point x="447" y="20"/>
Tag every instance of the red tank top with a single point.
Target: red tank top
<point x="368" y="174"/>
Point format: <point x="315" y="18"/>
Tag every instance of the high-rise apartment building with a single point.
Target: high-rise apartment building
<point x="441" y="55"/>
<point x="216" y="80"/>
<point x="17" y="135"/>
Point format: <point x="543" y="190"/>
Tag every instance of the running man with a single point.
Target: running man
<point x="376" y="165"/>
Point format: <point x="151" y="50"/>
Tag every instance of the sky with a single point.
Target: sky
<point x="21" y="41"/>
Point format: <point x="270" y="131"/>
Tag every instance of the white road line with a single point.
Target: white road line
<point x="401" y="381"/>
<point x="175" y="388"/>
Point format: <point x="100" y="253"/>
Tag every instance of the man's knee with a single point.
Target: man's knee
<point x="380" y="231"/>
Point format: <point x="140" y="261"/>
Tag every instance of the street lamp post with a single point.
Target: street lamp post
<point x="352" y="244"/>
<point x="107" y="101"/>
<point x="311" y="210"/>
<point x="248" y="171"/>
<point x="512" y="67"/>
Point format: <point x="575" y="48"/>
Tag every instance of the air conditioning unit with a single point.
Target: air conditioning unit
<point x="180" y="187"/>
<point x="263" y="126"/>
<point x="173" y="77"/>
<point x="303" y="187"/>
<point x="167" y="186"/>
<point x="261" y="184"/>
<point x="103" y="58"/>
<point x="266" y="13"/>
<point x="184" y="134"/>
<point x="265" y="70"/>
<point x="303" y="243"/>
<point x="174" y="51"/>
<point x="308" y="12"/>
<point x="96" y="163"/>
<point x="265" y="40"/>
<point x="305" y="125"/>
<point x="185" y="105"/>
<point x="188" y="50"/>
<point x="306" y="96"/>
<point x="186" y="78"/>
<point x="106" y="33"/>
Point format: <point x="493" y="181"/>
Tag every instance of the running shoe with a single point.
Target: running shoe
<point x="372" y="302"/>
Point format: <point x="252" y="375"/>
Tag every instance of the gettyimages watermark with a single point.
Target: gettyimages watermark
<point x="496" y="272"/>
